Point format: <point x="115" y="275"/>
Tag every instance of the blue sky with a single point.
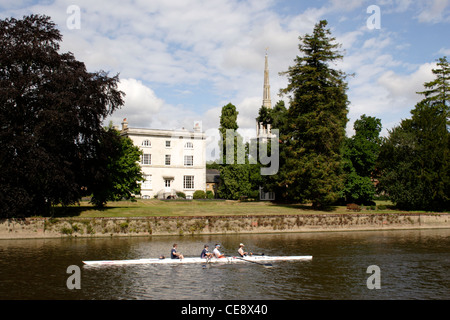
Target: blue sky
<point x="181" y="61"/>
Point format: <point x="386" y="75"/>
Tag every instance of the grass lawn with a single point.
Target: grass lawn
<point x="149" y="208"/>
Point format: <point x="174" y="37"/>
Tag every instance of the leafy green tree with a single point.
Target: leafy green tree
<point x="317" y="119"/>
<point x="234" y="181"/>
<point x="277" y="117"/>
<point x="360" y="156"/>
<point x="264" y="115"/>
<point x="358" y="189"/>
<point x="365" y="144"/>
<point x="414" y="160"/>
<point x="228" y="121"/>
<point x="120" y="172"/>
<point x="234" y="174"/>
<point x="51" y="114"/>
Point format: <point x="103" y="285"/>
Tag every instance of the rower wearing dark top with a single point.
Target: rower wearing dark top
<point x="174" y="254"/>
<point x="205" y="253"/>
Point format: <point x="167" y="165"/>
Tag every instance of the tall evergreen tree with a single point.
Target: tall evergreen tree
<point x="279" y="116"/>
<point x="234" y="170"/>
<point x="438" y="90"/>
<point x="228" y="121"/>
<point x="317" y="119"/>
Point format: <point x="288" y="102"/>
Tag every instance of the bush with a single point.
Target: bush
<point x="181" y="195"/>
<point x="199" y="194"/>
<point x="254" y="194"/>
<point x="209" y="194"/>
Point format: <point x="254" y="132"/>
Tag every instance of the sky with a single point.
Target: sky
<point x="181" y="61"/>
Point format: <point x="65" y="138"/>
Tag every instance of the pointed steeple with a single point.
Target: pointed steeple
<point x="266" y="93"/>
<point x="263" y="130"/>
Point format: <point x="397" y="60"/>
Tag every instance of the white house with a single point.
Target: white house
<point x="172" y="161"/>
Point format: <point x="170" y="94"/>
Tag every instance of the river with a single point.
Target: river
<point x="413" y="264"/>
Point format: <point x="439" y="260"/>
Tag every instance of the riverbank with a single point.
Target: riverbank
<point x="171" y="208"/>
<point x="31" y="228"/>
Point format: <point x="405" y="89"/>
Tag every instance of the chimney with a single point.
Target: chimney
<point x="197" y="126"/>
<point x="124" y="124"/>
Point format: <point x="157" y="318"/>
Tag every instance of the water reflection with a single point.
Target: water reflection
<point x="414" y="265"/>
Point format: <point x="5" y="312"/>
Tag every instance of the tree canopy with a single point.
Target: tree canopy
<point x="119" y="174"/>
<point x="414" y="161"/>
<point x="437" y="90"/>
<point x="317" y="119"/>
<point x="51" y="114"/>
<point x="360" y="156"/>
<point x="234" y="174"/>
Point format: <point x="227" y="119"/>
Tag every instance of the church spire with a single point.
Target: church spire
<point x="263" y="130"/>
<point x="266" y="93"/>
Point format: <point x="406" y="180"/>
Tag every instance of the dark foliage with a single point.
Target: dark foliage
<point x="51" y="113"/>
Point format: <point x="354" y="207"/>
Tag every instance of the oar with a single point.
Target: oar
<point x="267" y="265"/>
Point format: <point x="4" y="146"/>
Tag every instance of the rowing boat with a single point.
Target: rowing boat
<point x="196" y="260"/>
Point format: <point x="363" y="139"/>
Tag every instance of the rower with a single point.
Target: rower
<point x="174" y="254"/>
<point x="217" y="252"/>
<point x="241" y="251"/>
<point x="205" y="253"/>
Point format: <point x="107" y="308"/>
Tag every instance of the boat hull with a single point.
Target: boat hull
<point x="197" y="260"/>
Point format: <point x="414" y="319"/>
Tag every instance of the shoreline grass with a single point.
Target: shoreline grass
<point x="158" y="208"/>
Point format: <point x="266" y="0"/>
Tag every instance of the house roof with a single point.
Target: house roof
<point x="212" y="176"/>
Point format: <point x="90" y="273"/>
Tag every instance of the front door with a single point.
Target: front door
<point x="167" y="184"/>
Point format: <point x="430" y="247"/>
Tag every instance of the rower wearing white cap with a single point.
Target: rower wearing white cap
<point x="241" y="251"/>
<point x="217" y="252"/>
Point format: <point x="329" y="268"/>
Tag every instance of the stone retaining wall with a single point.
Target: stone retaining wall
<point x="146" y="226"/>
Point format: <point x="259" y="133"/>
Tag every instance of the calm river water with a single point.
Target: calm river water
<point x="413" y="264"/>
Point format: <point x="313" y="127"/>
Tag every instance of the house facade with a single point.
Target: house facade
<point x="172" y="161"/>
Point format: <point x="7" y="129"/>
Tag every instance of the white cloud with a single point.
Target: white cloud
<point x="434" y="11"/>
<point x="402" y="5"/>
<point x="346" y="5"/>
<point x="404" y="87"/>
<point x="395" y="6"/>
<point x="140" y="104"/>
<point x="248" y="111"/>
<point x="170" y="48"/>
<point x="389" y="96"/>
<point x="304" y="22"/>
<point x="444" y="51"/>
